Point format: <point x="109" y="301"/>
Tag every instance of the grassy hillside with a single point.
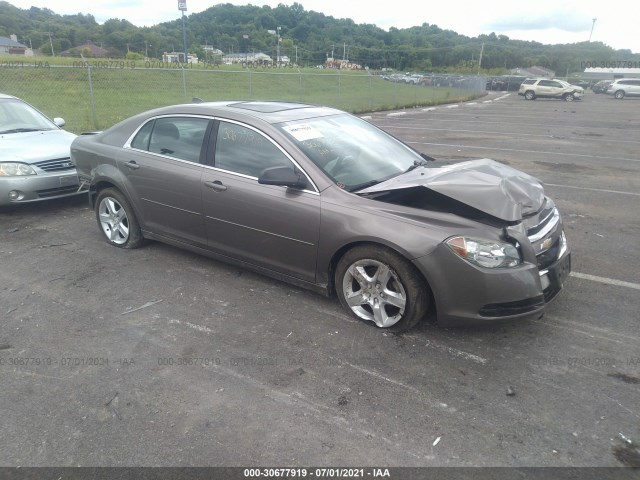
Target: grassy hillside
<point x="66" y="91"/>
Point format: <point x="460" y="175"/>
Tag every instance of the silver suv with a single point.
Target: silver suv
<point x="624" y="86"/>
<point x="533" y="88"/>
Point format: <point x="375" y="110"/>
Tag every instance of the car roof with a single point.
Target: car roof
<point x="4" y="95"/>
<point x="267" y="111"/>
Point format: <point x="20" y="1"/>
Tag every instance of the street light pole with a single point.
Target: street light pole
<point x="182" y="6"/>
<point x="278" y="46"/>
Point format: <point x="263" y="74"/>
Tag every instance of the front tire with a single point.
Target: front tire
<point x="529" y="95"/>
<point x="568" y="97"/>
<point x="116" y="219"/>
<point x="377" y="285"/>
<point x="619" y="94"/>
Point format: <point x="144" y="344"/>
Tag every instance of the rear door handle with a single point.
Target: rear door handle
<point x="132" y="165"/>
<point x="216" y="186"/>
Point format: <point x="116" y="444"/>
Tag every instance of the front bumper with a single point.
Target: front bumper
<point x="36" y="188"/>
<point x="465" y="294"/>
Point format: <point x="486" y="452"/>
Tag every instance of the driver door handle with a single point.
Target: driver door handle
<point x="132" y="165"/>
<point x="216" y="186"/>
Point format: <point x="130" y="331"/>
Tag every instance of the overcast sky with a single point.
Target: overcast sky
<point x="552" y="21"/>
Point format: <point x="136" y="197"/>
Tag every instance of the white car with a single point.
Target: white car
<point x="623" y="87"/>
<point x="35" y="158"/>
<point x="533" y="88"/>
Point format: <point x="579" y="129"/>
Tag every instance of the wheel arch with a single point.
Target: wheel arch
<point x="97" y="187"/>
<point x="340" y="252"/>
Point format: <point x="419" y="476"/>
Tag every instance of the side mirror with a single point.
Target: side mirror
<point x="283" y="176"/>
<point x="59" y="122"/>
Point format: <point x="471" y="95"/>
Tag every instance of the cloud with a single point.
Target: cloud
<point x="562" y="19"/>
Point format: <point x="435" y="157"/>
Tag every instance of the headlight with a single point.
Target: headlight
<point x="485" y="253"/>
<point x="14" y="169"/>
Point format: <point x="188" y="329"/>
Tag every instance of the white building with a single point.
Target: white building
<point x="247" y="59"/>
<point x="178" y="57"/>
<point x="610" y="73"/>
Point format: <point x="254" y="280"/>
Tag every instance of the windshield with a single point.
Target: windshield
<point x="351" y="151"/>
<point x="17" y="116"/>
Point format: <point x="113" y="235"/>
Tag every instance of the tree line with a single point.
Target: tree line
<point x="308" y="38"/>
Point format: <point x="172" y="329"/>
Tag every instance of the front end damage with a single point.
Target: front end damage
<point x="510" y="208"/>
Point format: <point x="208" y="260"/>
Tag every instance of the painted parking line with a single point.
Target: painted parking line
<point x="450" y="350"/>
<point x="605" y="280"/>
<point x="582" y="155"/>
<point x="602" y="190"/>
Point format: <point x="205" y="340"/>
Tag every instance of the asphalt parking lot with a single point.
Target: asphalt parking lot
<point x="158" y="357"/>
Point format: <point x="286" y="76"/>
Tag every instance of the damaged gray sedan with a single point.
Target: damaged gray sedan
<point x="325" y="200"/>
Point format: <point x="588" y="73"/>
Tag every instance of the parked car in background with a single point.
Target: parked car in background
<point x="35" y="161"/>
<point x="325" y="200"/>
<point x="624" y="87"/>
<point x="601" y="86"/>
<point x="508" y="83"/>
<point x="412" y="78"/>
<point x="533" y="88"/>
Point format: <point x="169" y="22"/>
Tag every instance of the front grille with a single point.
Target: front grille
<point x="56" y="165"/>
<point x="548" y="257"/>
<point x="547" y="230"/>
<point x="54" y="192"/>
<point x="512" y="308"/>
<point x="550" y="292"/>
<point x="538" y="231"/>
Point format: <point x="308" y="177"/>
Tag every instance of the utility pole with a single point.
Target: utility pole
<point x="480" y="59"/>
<point x="592" y="25"/>
<point x="50" y="43"/>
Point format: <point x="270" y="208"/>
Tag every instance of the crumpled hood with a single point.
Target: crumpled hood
<point x="31" y="147"/>
<point x="487" y="185"/>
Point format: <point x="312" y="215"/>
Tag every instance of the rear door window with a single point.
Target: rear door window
<point x="176" y="137"/>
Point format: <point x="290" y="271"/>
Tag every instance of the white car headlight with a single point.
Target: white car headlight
<point x="485" y="253"/>
<point x="15" y="169"/>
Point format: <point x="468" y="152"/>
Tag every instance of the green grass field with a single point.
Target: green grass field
<point x="61" y="88"/>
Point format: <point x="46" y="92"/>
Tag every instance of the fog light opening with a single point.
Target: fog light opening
<point x="15" y="195"/>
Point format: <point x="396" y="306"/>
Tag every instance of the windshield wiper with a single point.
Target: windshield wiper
<point x="362" y="186"/>
<point x="416" y="164"/>
<point x="22" y="130"/>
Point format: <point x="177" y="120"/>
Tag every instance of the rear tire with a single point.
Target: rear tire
<point x="377" y="285"/>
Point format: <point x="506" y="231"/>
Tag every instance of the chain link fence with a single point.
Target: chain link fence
<point x="93" y="95"/>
